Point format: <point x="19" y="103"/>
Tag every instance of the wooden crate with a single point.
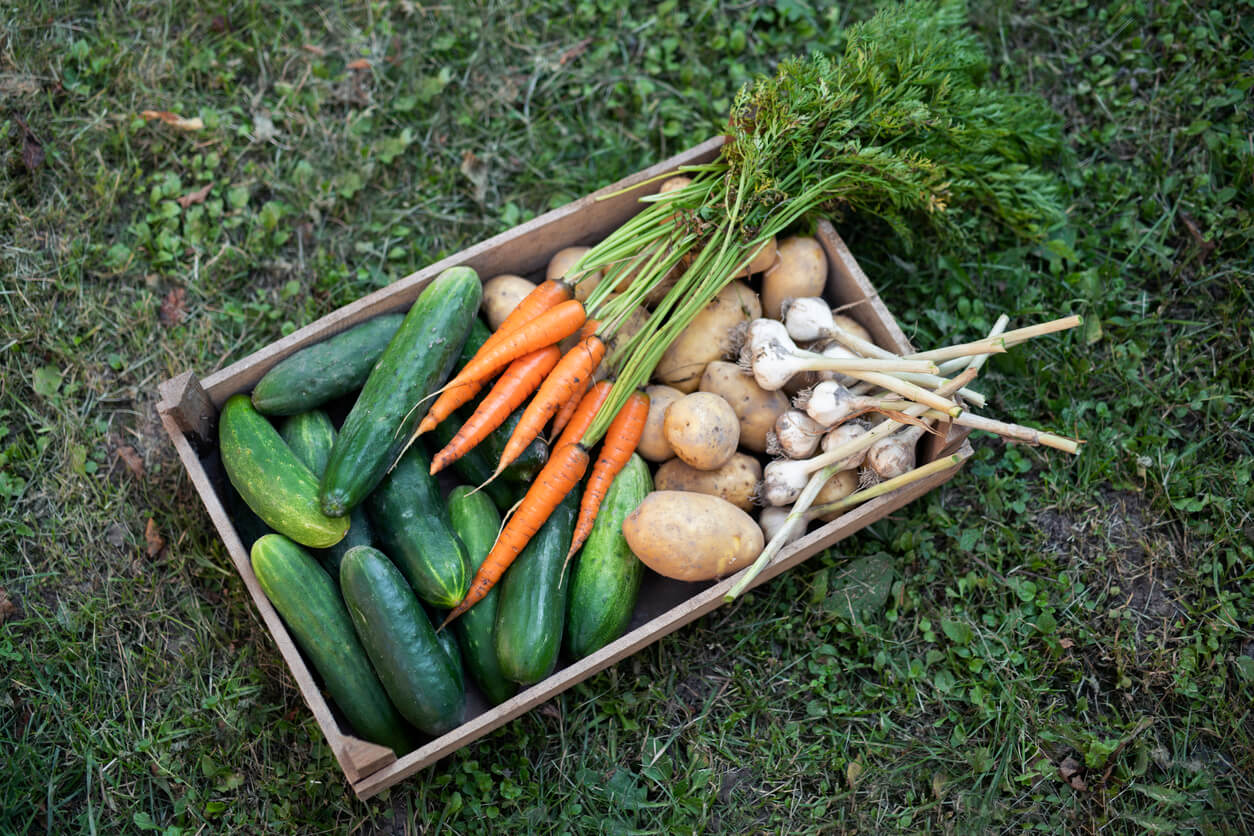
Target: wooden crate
<point x="189" y="408"/>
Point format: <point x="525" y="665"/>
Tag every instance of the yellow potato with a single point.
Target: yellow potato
<point x="762" y="261"/>
<point x="672" y="183"/>
<point x="801" y="270"/>
<point x="692" y="536"/>
<point x="736" y="481"/>
<point x="634" y="322"/>
<point x="702" y="429"/>
<point x="848" y="323"/>
<point x="653" y="444"/>
<point x="563" y="261"/>
<point x="708" y="337"/>
<point x="501" y="294"/>
<point x="838" y="487"/>
<point x="755" y="407"/>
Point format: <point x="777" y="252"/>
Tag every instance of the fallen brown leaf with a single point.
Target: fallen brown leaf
<point x="1069" y="771"/>
<point x="132" y="460"/>
<point x="7" y="607"/>
<point x="197" y="196"/>
<point x="575" y="51"/>
<point x="1204" y="246"/>
<point x="220" y="24"/>
<point x="153" y="538"/>
<point x="174" y="120"/>
<point x="314" y="49"/>
<point x="32" y="148"/>
<point x="1066" y="643"/>
<point x="359" y="64"/>
<point x="172" y="310"/>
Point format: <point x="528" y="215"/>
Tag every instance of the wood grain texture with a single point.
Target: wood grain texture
<point x="667" y="606"/>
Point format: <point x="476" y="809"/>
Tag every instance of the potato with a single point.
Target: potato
<point x="653" y="444"/>
<point x="755" y="407"/>
<point x="692" y="536"/>
<point x="801" y="270"/>
<point x="838" y="487"/>
<point x="501" y="294"/>
<point x="708" y="337"/>
<point x="630" y="327"/>
<point x="670" y="184"/>
<point x="561" y="263"/>
<point x="848" y="323"/>
<point x="702" y="429"/>
<point x="762" y="261"/>
<point x="736" y="481"/>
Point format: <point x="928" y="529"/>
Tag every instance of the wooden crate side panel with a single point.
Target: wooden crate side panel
<point x="648" y="633"/>
<point x="523" y="249"/>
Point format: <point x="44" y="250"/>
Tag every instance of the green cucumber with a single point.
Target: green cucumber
<point x="309" y="602"/>
<point x="532" y="607"/>
<point x="271" y="479"/>
<point x="311" y="435"/>
<point x="476" y="521"/>
<point x="418" y="675"/>
<point x="606" y="578"/>
<point x="412" y="525"/>
<point x="248" y="525"/>
<point x="324" y="371"/>
<point x="395" y="397"/>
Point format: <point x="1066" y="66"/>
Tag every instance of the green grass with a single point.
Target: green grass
<point x="932" y="674"/>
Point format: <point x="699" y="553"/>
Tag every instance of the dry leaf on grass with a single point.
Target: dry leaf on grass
<point x="172" y="307"/>
<point x="134" y="463"/>
<point x="1069" y="771"/>
<point x="314" y="49"/>
<point x="359" y="64"/>
<point x="174" y="120"/>
<point x="32" y="148"/>
<point x="197" y="196"/>
<point x="7" y="607"/>
<point x="152" y="537"/>
<point x="574" y="52"/>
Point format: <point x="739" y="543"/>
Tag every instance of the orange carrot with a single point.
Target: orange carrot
<point x="546" y="295"/>
<point x="584" y="413"/>
<point x="561" y="473"/>
<point x="549" y="328"/>
<point x="620" y="442"/>
<point x="571" y="371"/>
<point x="511" y="389"/>
<point x="564" y="414"/>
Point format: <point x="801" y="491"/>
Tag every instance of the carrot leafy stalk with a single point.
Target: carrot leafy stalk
<point x="561" y="473"/>
<point x="511" y="389"/>
<point x="621" y="440"/>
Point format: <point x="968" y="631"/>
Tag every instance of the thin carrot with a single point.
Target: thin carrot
<point x="564" y="414"/>
<point x="576" y="366"/>
<point x="620" y="442"/>
<point x="511" y="389"/>
<point x="561" y="473"/>
<point x="549" y="328"/>
<point x="584" y="413"/>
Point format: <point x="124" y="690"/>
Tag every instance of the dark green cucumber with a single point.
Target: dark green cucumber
<point x="394" y="398"/>
<point x="476" y="521"/>
<point x="606" y="578"/>
<point x="309" y="602"/>
<point x="324" y="371"/>
<point x="271" y="479"/>
<point x="412" y="525"/>
<point x="532" y="607"/>
<point x="311" y="435"/>
<point x="422" y="681"/>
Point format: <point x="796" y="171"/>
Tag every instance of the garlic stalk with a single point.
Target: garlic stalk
<point x="773" y="358"/>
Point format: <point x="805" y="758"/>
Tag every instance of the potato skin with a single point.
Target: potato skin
<point x="702" y="429"/>
<point x="761" y="261"/>
<point x="692" y="536"/>
<point x="501" y="294"/>
<point x="653" y="444"/>
<point x="755" y="407"/>
<point x="838" y="487"/>
<point x="800" y="270"/>
<point x="708" y="337"/>
<point x="736" y="481"/>
<point x="560" y="264"/>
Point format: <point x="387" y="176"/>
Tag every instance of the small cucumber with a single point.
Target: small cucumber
<point x="394" y="399"/>
<point x="413" y="528"/>
<point x="476" y="521"/>
<point x="271" y="479"/>
<point x="324" y="371"/>
<point x="606" y="578"/>
<point x="311" y="435"/>
<point x="309" y="602"/>
<point x="417" y="673"/>
<point x="532" y="607"/>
